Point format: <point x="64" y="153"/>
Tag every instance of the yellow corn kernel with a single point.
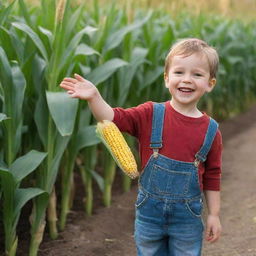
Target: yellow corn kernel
<point x="118" y="147"/>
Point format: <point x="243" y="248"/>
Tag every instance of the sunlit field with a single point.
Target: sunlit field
<point x="244" y="10"/>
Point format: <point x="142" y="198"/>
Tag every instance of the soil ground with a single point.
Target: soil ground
<point x="109" y="232"/>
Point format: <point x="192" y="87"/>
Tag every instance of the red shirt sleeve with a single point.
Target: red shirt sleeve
<point x="212" y="174"/>
<point x="134" y="120"/>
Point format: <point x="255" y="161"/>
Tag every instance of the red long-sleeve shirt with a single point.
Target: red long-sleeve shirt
<point x="183" y="136"/>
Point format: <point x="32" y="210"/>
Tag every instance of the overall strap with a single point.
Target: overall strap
<point x="157" y="126"/>
<point x="201" y="155"/>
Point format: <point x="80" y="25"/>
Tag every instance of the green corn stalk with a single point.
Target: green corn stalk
<point x="87" y="170"/>
<point x="14" y="171"/>
<point x="87" y="180"/>
<point x="13" y="88"/>
<point x="57" y="100"/>
<point x="55" y="132"/>
<point x="66" y="186"/>
<point x="83" y="137"/>
<point x="109" y="176"/>
<point x="14" y="197"/>
<point x="126" y="183"/>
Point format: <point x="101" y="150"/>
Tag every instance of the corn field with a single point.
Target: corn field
<point x="45" y="136"/>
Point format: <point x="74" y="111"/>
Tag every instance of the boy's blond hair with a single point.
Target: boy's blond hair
<point x="188" y="46"/>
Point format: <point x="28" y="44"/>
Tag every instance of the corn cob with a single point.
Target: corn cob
<point x="119" y="149"/>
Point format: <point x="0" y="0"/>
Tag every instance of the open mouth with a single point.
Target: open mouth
<point x="185" y="89"/>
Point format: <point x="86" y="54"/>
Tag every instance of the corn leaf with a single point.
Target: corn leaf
<point x="86" y="137"/>
<point x="5" y="71"/>
<point x="103" y="72"/>
<point x="13" y="200"/>
<point x="98" y="178"/>
<point x="85" y="50"/>
<point x="19" y="85"/>
<point x="70" y="49"/>
<point x="63" y="110"/>
<point x="33" y="36"/>
<point x="24" y="165"/>
<point x="7" y="188"/>
<point x="4" y="12"/>
<point x="41" y="112"/>
<point x="151" y="76"/>
<point x="47" y="33"/>
<point x="5" y="40"/>
<point x="127" y="73"/>
<point x="25" y="12"/>
<point x="73" y="20"/>
<point x="17" y="44"/>
<point x="117" y="37"/>
<point x="23" y="195"/>
<point x="61" y="145"/>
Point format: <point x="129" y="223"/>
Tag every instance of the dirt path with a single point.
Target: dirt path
<point x="109" y="232"/>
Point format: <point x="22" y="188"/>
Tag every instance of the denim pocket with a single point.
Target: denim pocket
<point x="195" y="207"/>
<point x="141" y="199"/>
<point x="170" y="182"/>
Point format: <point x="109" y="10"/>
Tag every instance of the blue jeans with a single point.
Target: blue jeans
<point x="168" y="227"/>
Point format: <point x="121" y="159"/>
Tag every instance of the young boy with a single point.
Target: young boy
<point x="180" y="150"/>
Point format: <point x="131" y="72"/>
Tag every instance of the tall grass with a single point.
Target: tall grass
<point x="121" y="50"/>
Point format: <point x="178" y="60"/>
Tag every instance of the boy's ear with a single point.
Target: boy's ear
<point x="212" y="83"/>
<point x="166" y="80"/>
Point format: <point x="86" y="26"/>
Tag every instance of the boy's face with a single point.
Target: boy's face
<point x="189" y="79"/>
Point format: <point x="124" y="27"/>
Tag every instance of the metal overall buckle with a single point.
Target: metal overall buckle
<point x="196" y="162"/>
<point x="155" y="152"/>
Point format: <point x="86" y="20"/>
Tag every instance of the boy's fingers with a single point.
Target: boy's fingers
<point x="213" y="236"/>
<point x="67" y="85"/>
<point x="79" y="78"/>
<point x="69" y="79"/>
<point x="208" y="235"/>
<point x="208" y="232"/>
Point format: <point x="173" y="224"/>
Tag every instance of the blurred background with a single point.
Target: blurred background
<point x="244" y="10"/>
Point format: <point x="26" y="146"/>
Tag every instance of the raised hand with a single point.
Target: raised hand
<point x="78" y="87"/>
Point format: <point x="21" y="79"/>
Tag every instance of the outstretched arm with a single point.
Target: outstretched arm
<point x="213" y="226"/>
<point x="78" y="87"/>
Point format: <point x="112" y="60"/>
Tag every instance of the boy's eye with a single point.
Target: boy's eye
<point x="178" y="72"/>
<point x="198" y="74"/>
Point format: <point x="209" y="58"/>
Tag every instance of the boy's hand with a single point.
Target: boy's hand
<point x="79" y="87"/>
<point x="213" y="228"/>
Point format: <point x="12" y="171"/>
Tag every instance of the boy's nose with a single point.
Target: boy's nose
<point x="186" y="79"/>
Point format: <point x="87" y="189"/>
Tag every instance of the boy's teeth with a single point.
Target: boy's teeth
<point x="185" y="90"/>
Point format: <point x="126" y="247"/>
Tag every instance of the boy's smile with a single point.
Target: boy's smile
<point x="188" y="80"/>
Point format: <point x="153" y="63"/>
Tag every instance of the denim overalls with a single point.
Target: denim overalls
<point x="169" y="203"/>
